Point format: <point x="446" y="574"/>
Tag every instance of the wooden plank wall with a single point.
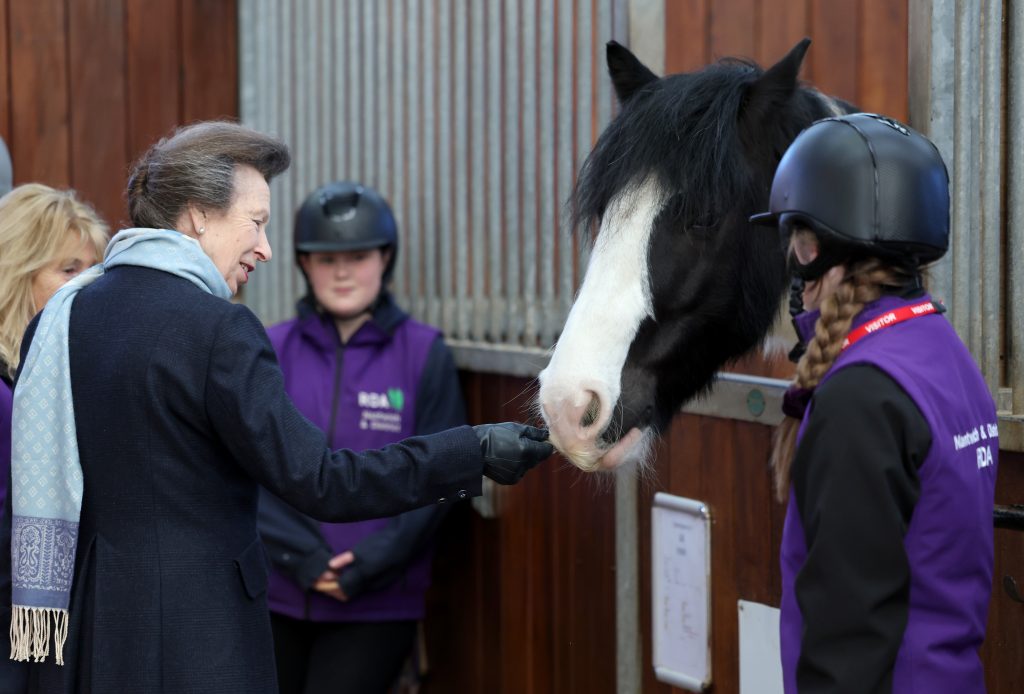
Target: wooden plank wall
<point x="88" y="85"/>
<point x="525" y="602"/>
<point x="1003" y="652"/>
<point x="859" y="49"/>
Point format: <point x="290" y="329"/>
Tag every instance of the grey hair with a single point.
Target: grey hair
<point x="195" y="165"/>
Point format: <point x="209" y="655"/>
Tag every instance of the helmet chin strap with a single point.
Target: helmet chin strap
<point x="796" y="307"/>
<point x="828" y="257"/>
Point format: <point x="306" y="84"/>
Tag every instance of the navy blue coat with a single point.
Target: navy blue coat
<point x="181" y="412"/>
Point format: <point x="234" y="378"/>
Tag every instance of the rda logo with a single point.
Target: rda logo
<point x="394" y="399"/>
<point x="985" y="458"/>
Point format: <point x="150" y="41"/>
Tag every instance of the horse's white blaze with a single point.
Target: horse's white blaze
<point x="613" y="301"/>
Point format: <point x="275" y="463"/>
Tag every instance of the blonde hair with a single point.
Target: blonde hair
<point x="864" y="282"/>
<point x="34" y="223"/>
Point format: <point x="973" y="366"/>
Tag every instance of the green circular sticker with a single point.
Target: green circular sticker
<point x="755" y="402"/>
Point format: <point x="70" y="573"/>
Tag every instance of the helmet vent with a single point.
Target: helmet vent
<point x="340" y="208"/>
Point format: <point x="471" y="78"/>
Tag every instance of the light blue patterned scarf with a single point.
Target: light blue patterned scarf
<point x="47" y="474"/>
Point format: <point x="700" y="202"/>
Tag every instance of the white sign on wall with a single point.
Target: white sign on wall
<point x="760" y="654"/>
<point x="680" y="591"/>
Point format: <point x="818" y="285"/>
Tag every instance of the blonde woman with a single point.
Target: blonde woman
<point x="47" y="236"/>
<point x="887" y="458"/>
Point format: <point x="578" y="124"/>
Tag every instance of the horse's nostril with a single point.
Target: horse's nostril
<point x="593" y="410"/>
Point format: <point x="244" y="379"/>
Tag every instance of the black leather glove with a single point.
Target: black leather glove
<point x="510" y="449"/>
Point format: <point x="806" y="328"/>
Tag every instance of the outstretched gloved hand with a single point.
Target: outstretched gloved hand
<point x="510" y="449"/>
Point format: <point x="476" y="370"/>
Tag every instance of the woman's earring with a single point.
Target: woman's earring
<point x="202" y="230"/>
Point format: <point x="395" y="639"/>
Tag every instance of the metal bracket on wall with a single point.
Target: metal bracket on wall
<point x="734" y="396"/>
<point x="1009" y="517"/>
<point x="742" y="397"/>
<point x="1010" y="586"/>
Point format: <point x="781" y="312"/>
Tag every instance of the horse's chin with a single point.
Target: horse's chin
<point x="631" y="449"/>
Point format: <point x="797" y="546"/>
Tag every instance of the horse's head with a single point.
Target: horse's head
<point x="679" y="282"/>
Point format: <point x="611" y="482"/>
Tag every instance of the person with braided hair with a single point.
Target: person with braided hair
<point x="887" y="457"/>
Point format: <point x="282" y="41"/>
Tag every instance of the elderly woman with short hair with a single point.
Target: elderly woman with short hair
<point x="147" y="413"/>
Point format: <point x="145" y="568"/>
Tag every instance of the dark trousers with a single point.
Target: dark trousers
<point x="339" y="657"/>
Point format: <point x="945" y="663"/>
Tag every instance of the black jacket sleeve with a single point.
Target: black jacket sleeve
<point x="256" y="421"/>
<point x="382" y="557"/>
<point x="856" y="484"/>
<point x="293" y="540"/>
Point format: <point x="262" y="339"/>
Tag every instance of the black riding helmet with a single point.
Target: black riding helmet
<point x="866" y="185"/>
<point x="345" y="216"/>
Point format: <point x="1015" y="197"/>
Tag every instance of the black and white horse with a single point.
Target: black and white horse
<point x="679" y="283"/>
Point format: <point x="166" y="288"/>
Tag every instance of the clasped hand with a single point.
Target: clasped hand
<point x="328" y="583"/>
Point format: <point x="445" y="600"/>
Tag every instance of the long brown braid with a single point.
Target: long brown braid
<point x="864" y="282"/>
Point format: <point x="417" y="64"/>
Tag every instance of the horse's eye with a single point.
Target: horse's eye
<point x="704" y="223"/>
<point x="693" y="216"/>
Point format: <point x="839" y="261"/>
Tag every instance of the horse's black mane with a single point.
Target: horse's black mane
<point x="688" y="130"/>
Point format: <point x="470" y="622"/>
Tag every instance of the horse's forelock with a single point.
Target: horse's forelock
<point x="681" y="125"/>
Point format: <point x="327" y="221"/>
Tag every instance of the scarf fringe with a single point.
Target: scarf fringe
<point x="31" y="631"/>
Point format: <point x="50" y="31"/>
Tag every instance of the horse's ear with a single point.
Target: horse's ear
<point x="773" y="88"/>
<point x="627" y="72"/>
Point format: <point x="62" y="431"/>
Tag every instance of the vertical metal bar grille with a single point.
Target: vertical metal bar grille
<point x="963" y="113"/>
<point x="496" y="148"/>
<point x="471" y="118"/>
<point x="1015" y="203"/>
<point x="480" y="305"/>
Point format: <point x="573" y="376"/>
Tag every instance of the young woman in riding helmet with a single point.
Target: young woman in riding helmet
<point x="345" y="598"/>
<point x="888" y="454"/>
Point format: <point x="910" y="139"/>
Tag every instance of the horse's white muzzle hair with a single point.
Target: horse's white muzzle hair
<point x="582" y="382"/>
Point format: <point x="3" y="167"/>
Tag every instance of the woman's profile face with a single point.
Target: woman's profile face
<point x="76" y="254"/>
<point x="346" y="283"/>
<point x="236" y="239"/>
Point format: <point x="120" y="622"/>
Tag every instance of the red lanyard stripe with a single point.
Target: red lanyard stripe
<point x="887" y="320"/>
